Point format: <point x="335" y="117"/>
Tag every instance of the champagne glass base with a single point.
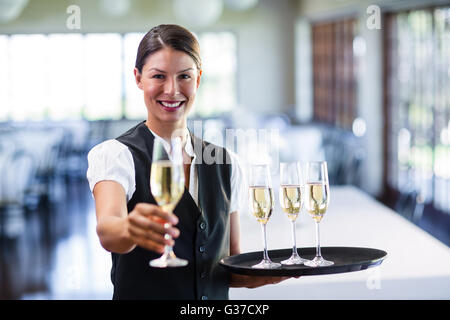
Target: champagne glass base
<point x="267" y="264"/>
<point x="168" y="260"/>
<point x="294" y="259"/>
<point x="319" y="262"/>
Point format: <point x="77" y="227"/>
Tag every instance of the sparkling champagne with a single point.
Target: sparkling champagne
<point x="166" y="187"/>
<point x="261" y="203"/>
<point x="317" y="199"/>
<point x="291" y="200"/>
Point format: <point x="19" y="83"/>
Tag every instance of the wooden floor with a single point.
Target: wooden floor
<point x="53" y="252"/>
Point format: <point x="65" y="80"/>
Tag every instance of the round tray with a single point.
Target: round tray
<point x="346" y="259"/>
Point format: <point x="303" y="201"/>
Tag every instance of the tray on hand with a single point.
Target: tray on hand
<point x="346" y="259"/>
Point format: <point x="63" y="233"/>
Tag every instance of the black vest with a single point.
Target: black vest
<point x="204" y="232"/>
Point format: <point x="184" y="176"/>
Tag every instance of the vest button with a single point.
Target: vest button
<point x="203" y="225"/>
<point x="204" y="298"/>
<point x="201" y="249"/>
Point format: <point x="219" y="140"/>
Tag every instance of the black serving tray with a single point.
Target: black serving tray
<point x="346" y="259"/>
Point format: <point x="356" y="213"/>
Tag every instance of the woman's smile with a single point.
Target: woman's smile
<point x="171" y="105"/>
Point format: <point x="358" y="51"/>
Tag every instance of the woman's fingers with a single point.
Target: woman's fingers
<point x="143" y="222"/>
<point x="154" y="211"/>
<point x="270" y="280"/>
<point x="147" y="234"/>
<point x="148" y="239"/>
<point x="149" y="228"/>
<point x="276" y="280"/>
<point x="150" y="245"/>
<point x="256" y="281"/>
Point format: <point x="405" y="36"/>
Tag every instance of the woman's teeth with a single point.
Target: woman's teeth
<point x="171" y="105"/>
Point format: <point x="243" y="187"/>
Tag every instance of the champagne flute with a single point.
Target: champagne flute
<point x="291" y="202"/>
<point x="317" y="199"/>
<point x="167" y="187"/>
<point x="261" y="206"/>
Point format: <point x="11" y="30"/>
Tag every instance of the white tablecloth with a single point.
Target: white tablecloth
<point x="417" y="266"/>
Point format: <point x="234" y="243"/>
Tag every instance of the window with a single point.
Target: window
<point x="102" y="61"/>
<point x="73" y="76"/>
<point x="417" y="104"/>
<point x="5" y="107"/>
<point x="28" y="62"/>
<point x="135" y="107"/>
<point x="217" y="92"/>
<point x="65" y="76"/>
<point x="333" y="72"/>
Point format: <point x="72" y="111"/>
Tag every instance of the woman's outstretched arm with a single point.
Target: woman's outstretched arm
<point x="119" y="231"/>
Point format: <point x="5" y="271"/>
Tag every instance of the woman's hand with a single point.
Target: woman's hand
<point x="251" y="282"/>
<point x="147" y="226"/>
<point x="120" y="232"/>
<point x="237" y="280"/>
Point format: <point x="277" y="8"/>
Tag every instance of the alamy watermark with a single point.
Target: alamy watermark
<point x="73" y="21"/>
<point x="373" y="281"/>
<point x="373" y="21"/>
<point x="253" y="146"/>
<point x="73" y="278"/>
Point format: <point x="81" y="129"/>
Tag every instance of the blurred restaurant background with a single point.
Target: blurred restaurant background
<point x="363" y="84"/>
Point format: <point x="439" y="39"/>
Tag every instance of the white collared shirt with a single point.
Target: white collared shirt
<point x="112" y="160"/>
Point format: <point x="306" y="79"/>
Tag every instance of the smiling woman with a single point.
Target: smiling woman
<point x="205" y="222"/>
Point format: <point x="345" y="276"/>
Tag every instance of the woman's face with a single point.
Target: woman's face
<point x="170" y="80"/>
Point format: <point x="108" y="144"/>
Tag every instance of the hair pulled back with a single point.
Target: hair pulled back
<point x="168" y="35"/>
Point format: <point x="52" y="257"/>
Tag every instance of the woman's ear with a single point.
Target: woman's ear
<point x="198" y="78"/>
<point x="138" y="76"/>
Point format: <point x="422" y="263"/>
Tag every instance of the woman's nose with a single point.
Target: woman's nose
<point x="171" y="86"/>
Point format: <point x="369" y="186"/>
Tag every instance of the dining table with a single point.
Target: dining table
<point x="417" y="265"/>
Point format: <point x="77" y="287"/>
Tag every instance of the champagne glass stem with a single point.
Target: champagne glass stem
<point x="294" y="248"/>
<point x="266" y="255"/>
<point x="168" y="250"/>
<point x="318" y="254"/>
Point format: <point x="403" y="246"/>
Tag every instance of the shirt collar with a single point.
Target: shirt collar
<point x="188" y="148"/>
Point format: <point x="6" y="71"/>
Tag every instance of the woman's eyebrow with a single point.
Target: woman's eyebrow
<point x="185" y="70"/>
<point x="156" y="69"/>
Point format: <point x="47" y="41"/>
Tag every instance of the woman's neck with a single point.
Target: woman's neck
<point x="167" y="131"/>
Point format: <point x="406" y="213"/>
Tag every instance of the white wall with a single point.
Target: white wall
<point x="370" y="106"/>
<point x="303" y="71"/>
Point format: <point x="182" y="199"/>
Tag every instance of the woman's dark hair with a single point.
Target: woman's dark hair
<point x="168" y="35"/>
